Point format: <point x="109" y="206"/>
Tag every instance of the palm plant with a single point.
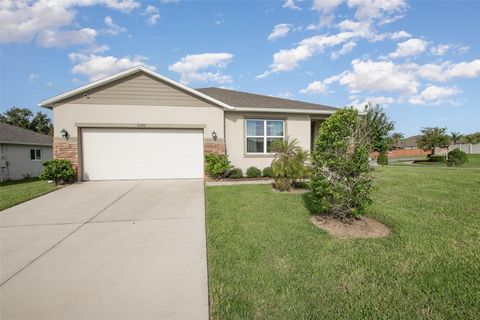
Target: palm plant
<point x="455" y="136"/>
<point x="288" y="164"/>
<point x="396" y="138"/>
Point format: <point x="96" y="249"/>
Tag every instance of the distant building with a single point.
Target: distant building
<point x="22" y="152"/>
<point x="409" y="143"/>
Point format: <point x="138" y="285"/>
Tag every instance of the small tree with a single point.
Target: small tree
<point x="288" y="164"/>
<point x="396" y="137"/>
<point x="379" y="127"/>
<point x="456" y="158"/>
<point x="455" y="136"/>
<point x="433" y="137"/>
<point x="341" y="179"/>
<point x="216" y="165"/>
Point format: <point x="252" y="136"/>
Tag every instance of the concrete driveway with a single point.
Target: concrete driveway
<point x="106" y="250"/>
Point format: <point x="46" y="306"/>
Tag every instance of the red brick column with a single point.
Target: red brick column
<point x="68" y="150"/>
<point x="214" y="147"/>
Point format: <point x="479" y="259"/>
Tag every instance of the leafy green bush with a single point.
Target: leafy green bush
<point x="341" y="180"/>
<point x="216" y="165"/>
<point x="433" y="158"/>
<point x="254" y="172"/>
<point x="456" y="158"/>
<point x="289" y="163"/>
<point x="267" y="172"/>
<point x="236" y="173"/>
<point x="58" y="170"/>
<point x="382" y="159"/>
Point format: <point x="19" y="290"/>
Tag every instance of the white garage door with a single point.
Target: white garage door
<point x="111" y="153"/>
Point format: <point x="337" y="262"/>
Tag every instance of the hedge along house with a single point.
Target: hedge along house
<point x="138" y="124"/>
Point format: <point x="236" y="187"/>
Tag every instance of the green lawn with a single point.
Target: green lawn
<point x="473" y="162"/>
<point x="267" y="261"/>
<point x="18" y="191"/>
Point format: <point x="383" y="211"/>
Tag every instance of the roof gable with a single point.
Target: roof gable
<point x="94" y="87"/>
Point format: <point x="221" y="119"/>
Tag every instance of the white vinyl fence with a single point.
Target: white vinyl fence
<point x="467" y="147"/>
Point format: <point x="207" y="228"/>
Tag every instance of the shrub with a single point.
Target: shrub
<point x="433" y="158"/>
<point x="341" y="180"/>
<point x="456" y="158"/>
<point x="216" y="165"/>
<point x="382" y="159"/>
<point x="236" y="173"/>
<point x="267" y="172"/>
<point x="58" y="170"/>
<point x="289" y="163"/>
<point x="254" y="172"/>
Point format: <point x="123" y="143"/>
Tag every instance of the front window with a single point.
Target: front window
<point x="261" y="134"/>
<point x="35" y="154"/>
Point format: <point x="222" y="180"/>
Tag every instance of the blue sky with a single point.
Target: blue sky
<point x="419" y="60"/>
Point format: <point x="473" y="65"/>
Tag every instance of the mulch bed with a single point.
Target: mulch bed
<point x="364" y="227"/>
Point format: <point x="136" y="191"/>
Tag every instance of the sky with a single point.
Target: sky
<point x="419" y="60"/>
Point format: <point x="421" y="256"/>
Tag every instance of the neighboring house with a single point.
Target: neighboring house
<point x="138" y="124"/>
<point x="407" y="143"/>
<point x="22" y="152"/>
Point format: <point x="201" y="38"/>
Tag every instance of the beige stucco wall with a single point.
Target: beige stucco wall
<point x="19" y="163"/>
<point x="67" y="115"/>
<point x="137" y="99"/>
<point x="297" y="126"/>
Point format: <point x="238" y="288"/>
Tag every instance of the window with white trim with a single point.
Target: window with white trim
<point x="35" y="154"/>
<point x="260" y="135"/>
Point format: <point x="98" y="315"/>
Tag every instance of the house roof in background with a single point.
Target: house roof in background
<point x="408" y="142"/>
<point x="247" y="100"/>
<point x="14" y="135"/>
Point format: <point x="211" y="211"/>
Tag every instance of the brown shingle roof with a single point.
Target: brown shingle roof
<point x="15" y="135"/>
<point x="408" y="142"/>
<point x="252" y="100"/>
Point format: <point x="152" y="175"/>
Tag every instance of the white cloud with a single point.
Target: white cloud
<point x="51" y="38"/>
<point x="434" y="95"/>
<point x="325" y="20"/>
<point x="374" y="76"/>
<point x="112" y="27"/>
<point x="440" y="50"/>
<point x="315" y="87"/>
<point x="168" y="1"/>
<point x="96" y="67"/>
<point x="279" y="31"/>
<point x="409" y="48"/>
<point x="346" y="48"/>
<point x="198" y="67"/>
<point x="399" y="35"/>
<point x="290" y="4"/>
<point x="33" y="76"/>
<point x="373" y="9"/>
<point x="50" y="21"/>
<point x="325" y="6"/>
<point x="153" y="14"/>
<point x="390" y="19"/>
<point x="285" y="95"/>
<point x="449" y="70"/>
<point x="380" y="100"/>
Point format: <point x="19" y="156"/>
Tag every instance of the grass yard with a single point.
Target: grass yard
<point x="473" y="162"/>
<point x="18" y="191"/>
<point x="267" y="261"/>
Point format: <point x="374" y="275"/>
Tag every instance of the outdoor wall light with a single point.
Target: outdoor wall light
<point x="64" y="133"/>
<point x="214" y="135"/>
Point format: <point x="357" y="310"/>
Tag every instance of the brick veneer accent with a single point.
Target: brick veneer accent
<point x="214" y="147"/>
<point x="68" y="150"/>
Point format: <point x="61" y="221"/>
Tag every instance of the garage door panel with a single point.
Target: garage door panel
<point x="142" y="153"/>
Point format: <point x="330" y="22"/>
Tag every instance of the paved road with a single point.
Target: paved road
<point x="106" y="250"/>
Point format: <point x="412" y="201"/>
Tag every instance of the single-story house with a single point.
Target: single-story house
<point x="409" y="143"/>
<point x="22" y="152"/>
<point x="138" y="124"/>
